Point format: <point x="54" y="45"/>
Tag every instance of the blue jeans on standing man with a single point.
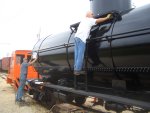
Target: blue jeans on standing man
<point x="79" y="51"/>
<point x="20" y="91"/>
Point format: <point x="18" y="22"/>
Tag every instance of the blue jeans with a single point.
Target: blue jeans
<point x="78" y="54"/>
<point x="20" y="91"/>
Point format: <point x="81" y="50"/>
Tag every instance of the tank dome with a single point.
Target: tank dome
<point x="100" y="7"/>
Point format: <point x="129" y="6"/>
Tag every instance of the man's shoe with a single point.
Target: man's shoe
<point x="76" y="73"/>
<point x="20" y="100"/>
<point x="79" y="73"/>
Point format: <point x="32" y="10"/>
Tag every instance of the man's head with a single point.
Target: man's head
<point x="89" y="14"/>
<point x="25" y="60"/>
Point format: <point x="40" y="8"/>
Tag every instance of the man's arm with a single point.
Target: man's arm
<point x="32" y="61"/>
<point x="100" y="20"/>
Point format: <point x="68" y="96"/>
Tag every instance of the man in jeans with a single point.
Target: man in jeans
<point x="80" y="39"/>
<point x="23" y="76"/>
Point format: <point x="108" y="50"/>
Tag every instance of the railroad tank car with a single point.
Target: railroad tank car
<point x="116" y="58"/>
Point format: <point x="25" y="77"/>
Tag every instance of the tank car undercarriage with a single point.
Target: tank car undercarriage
<point x="123" y="90"/>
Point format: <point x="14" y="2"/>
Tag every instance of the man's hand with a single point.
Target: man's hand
<point x="109" y="16"/>
<point x="32" y="61"/>
<point x="100" y="20"/>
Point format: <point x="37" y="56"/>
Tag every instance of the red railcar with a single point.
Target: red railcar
<point x="6" y="63"/>
<point x="0" y="64"/>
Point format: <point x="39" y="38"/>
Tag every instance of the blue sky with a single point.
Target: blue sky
<point x="22" y="20"/>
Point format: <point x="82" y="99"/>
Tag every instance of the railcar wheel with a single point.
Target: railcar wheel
<point x="50" y="100"/>
<point x="36" y="95"/>
<point x="70" y="98"/>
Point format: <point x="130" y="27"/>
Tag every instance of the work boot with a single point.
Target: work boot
<point x="79" y="73"/>
<point x="20" y="100"/>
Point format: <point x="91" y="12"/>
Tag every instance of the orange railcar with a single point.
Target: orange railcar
<point x="15" y="64"/>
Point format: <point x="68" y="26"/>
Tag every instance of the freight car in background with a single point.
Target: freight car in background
<point x="0" y="65"/>
<point x="5" y="64"/>
<point x="121" y="46"/>
<point x="13" y="76"/>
